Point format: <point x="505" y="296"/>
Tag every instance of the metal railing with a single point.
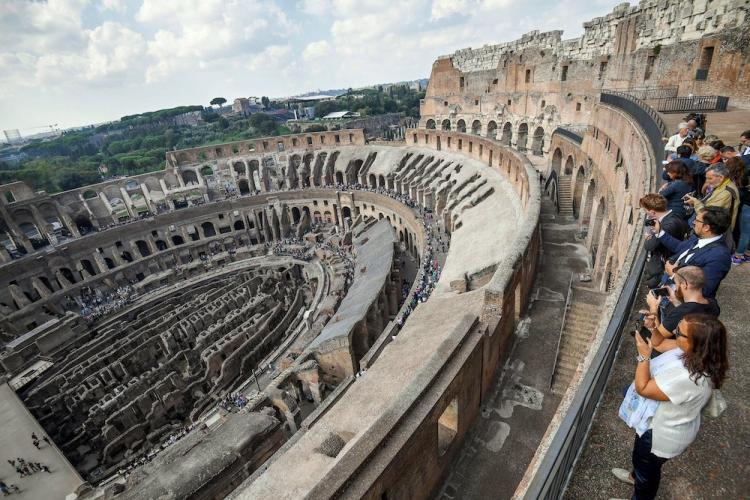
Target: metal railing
<point x="690" y="103"/>
<point x="562" y="327"/>
<point x="650" y="92"/>
<point x="578" y="139"/>
<point x="648" y="118"/>
<point x="557" y="464"/>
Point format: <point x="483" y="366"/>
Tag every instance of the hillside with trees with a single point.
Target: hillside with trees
<point x="133" y="145"/>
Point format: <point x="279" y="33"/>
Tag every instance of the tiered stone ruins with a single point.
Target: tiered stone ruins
<point x="316" y="316"/>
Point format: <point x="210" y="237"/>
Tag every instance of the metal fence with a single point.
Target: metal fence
<point x="644" y="115"/>
<point x="650" y="92"/>
<point x="690" y="103"/>
<point x="569" y="134"/>
<point x="556" y="467"/>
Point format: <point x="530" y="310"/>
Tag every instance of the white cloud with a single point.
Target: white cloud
<point x="315" y="50"/>
<point x="318" y="8"/>
<point x="446" y="8"/>
<point x="117" y="6"/>
<point x="200" y="33"/>
<point x="273" y="56"/>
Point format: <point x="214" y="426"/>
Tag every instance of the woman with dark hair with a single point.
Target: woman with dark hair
<point x="741" y="232"/>
<point x="680" y="183"/>
<point x="672" y="393"/>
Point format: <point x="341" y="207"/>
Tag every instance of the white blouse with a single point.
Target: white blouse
<point x="676" y="422"/>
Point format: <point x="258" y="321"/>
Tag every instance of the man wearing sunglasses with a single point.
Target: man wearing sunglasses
<point x="706" y="248"/>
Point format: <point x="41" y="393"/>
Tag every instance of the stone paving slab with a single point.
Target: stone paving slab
<point x="716" y="465"/>
<point x="15" y="441"/>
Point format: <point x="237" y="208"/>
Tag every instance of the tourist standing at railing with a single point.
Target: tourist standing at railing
<point x="665" y="400"/>
<point x="721" y="192"/>
<point x="706" y="249"/>
<point x="742" y="252"/>
<point x="676" y="140"/>
<point x="745" y="143"/>
<point x="679" y="183"/>
<point x="655" y="206"/>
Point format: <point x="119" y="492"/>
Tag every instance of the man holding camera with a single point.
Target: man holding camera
<point x="706" y="248"/>
<point x="685" y="297"/>
<point x="655" y="206"/>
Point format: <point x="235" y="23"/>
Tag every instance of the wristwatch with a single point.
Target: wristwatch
<point x="641" y="358"/>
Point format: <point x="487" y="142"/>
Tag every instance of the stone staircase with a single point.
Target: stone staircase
<point x="565" y="195"/>
<point x="580" y="325"/>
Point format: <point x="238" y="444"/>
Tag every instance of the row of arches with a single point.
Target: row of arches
<point x="491" y="132"/>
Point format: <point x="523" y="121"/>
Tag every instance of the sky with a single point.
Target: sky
<point x="77" y="62"/>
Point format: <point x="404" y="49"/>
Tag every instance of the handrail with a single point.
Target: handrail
<point x="648" y="118"/>
<point x="649" y="92"/>
<point x="569" y="134"/>
<point x="562" y="327"/>
<point x="690" y="103"/>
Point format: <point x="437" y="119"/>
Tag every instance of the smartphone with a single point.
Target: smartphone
<point x="661" y="292"/>
<point x="691" y="194"/>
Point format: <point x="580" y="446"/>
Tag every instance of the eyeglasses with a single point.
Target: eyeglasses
<point x="698" y="220"/>
<point x="678" y="333"/>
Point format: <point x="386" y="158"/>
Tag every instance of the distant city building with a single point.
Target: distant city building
<point x="12" y="136"/>
<point x="308" y="112"/>
<point x="189" y="119"/>
<point x="340" y="115"/>
<point x="241" y="106"/>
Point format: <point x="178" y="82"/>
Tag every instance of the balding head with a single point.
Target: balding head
<point x="693" y="276"/>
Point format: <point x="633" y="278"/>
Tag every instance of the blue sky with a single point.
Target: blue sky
<point x="74" y="62"/>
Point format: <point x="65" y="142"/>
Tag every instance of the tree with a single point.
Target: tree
<point x="218" y="100"/>
<point x="223" y="123"/>
<point x="266" y="102"/>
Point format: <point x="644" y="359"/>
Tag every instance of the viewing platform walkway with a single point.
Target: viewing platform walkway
<point x="715" y="465"/>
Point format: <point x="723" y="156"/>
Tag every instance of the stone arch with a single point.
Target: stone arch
<point x="446" y="124"/>
<point x="476" y="127"/>
<point x="239" y="225"/>
<point x="339" y="178"/>
<point x="177" y="239"/>
<point x="143" y="248"/>
<point x="189" y="177"/>
<point x="580" y="183"/>
<point x="507" y="136"/>
<point x="590" y="194"/>
<point x="461" y="126"/>
<point x="556" y="161"/>
<point x="346" y="212"/>
<point x="240" y="168"/>
<point x="244" y="187"/>
<point x="537" y="141"/>
<point x="603" y="251"/>
<point x="595" y="234"/>
<point x="161" y="245"/>
<point x="208" y="229"/>
<point x="306" y="170"/>
<point x="83" y="223"/>
<point x="523" y="136"/>
<point x="430" y="124"/>
<point x="88" y="267"/>
<point x="293" y="171"/>
<point x="381" y="181"/>
<point x="492" y="130"/>
<point x="569" y="164"/>
<point x="296" y="215"/>
<point x="372" y="181"/>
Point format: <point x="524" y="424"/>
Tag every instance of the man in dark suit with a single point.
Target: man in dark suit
<point x="655" y="206"/>
<point x="706" y="248"/>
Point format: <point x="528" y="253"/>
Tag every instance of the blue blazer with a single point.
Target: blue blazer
<point x="714" y="259"/>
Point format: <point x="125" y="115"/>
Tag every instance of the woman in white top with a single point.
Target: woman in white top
<point x="682" y="388"/>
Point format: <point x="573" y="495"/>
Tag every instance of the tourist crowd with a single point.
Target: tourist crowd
<point x="697" y="226"/>
<point x="94" y="304"/>
<point x="233" y="402"/>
